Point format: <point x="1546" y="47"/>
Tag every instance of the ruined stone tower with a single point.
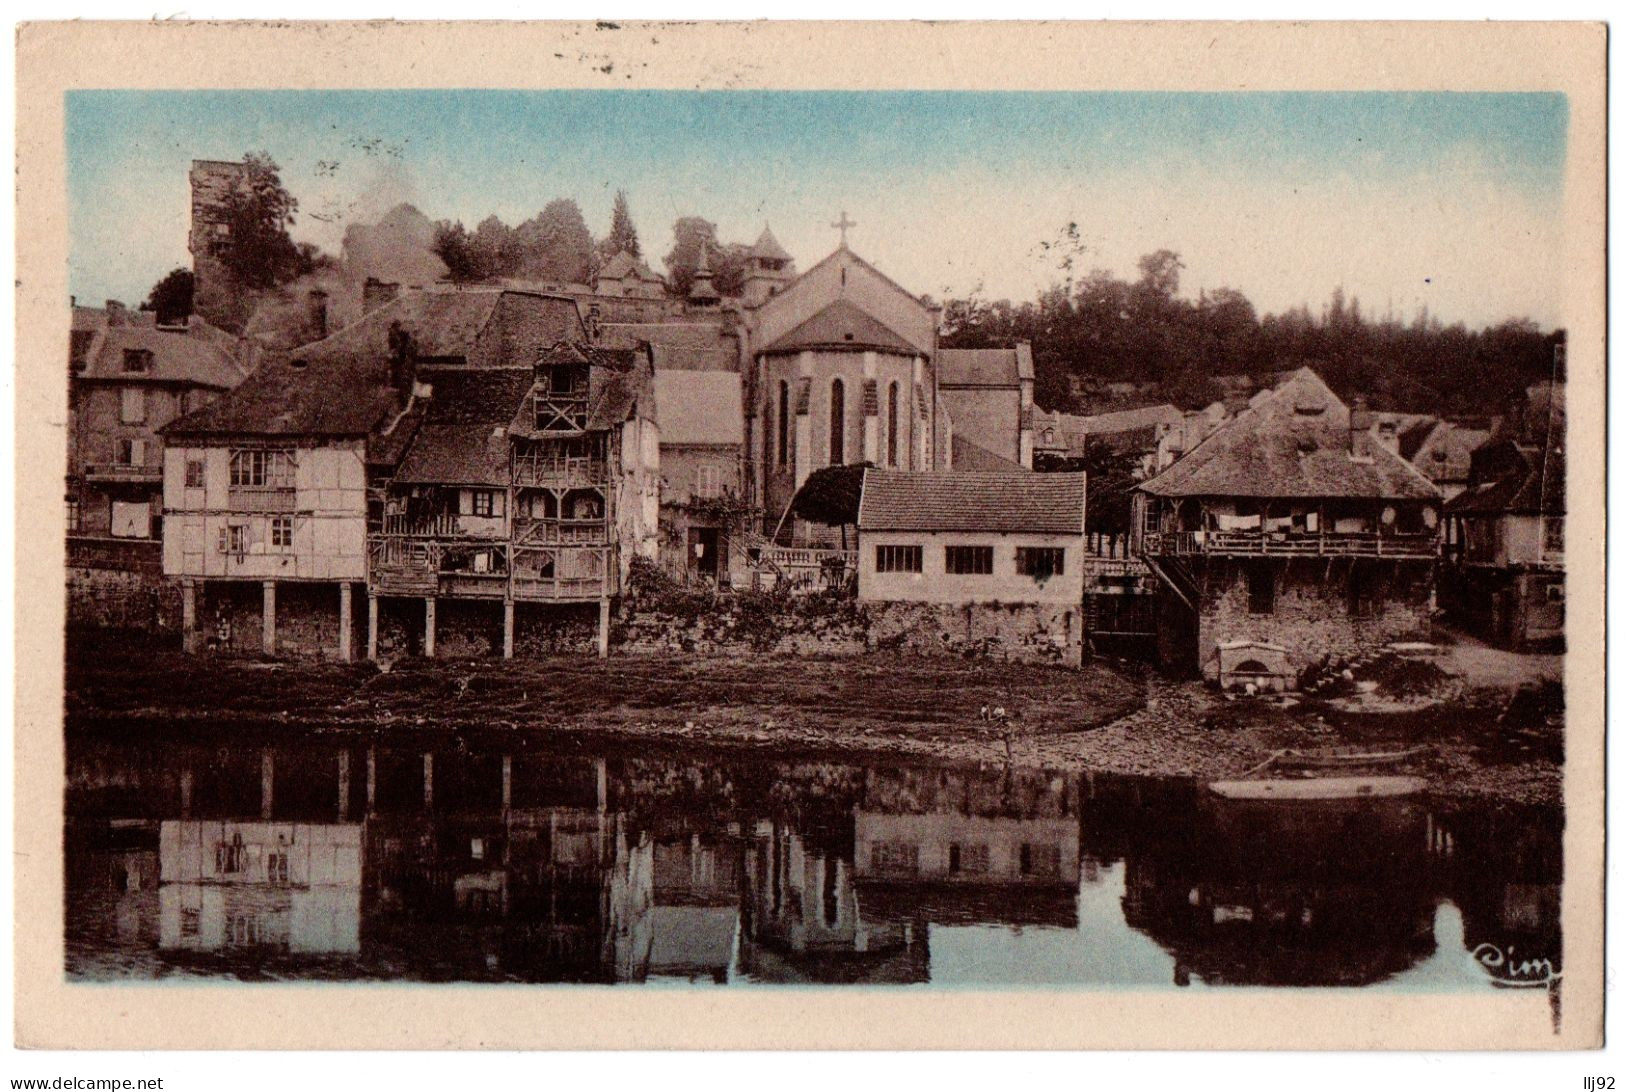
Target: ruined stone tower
<point x="216" y="296"/>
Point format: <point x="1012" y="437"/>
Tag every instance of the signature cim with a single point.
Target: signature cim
<point x="1505" y="970"/>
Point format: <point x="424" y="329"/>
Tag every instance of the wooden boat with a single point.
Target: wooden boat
<point x="1318" y="788"/>
<point x="1335" y="757"/>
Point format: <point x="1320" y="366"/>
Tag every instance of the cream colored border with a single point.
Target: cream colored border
<point x="56" y="57"/>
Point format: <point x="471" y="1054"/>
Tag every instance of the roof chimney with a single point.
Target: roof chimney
<point x="1361" y="421"/>
<point x="115" y="313"/>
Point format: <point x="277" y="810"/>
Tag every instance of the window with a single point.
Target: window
<point x="899" y="559"/>
<point x="132" y="406"/>
<point x="968" y="858"/>
<point x="968" y="560"/>
<point x="1041" y="562"/>
<point x="484" y="502"/>
<point x="837" y="423"/>
<point x="138" y="361"/>
<point x="1039" y="859"/>
<point x="132" y="452"/>
<point x="708" y="482"/>
<point x="1261" y="590"/>
<point x="281" y="532"/>
<point x="73" y="514"/>
<point x="194" y="473"/>
<point x="1552" y="528"/>
<point x="784" y="422"/>
<point x="262" y="469"/>
<point x="233" y="539"/>
<point x="1554" y="593"/>
<point x="903" y="857"/>
<point x="891" y="425"/>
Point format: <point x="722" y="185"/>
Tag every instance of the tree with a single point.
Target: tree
<point x="556" y="245"/>
<point x="258" y="212"/>
<point x="493" y="250"/>
<point x="623" y="235"/>
<point x="830" y="496"/>
<point x="171" y="297"/>
<point x="455" y="247"/>
<point x="691" y="235"/>
<point x="1112" y="476"/>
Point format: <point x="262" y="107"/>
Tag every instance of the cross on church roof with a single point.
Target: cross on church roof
<point x="842" y="224"/>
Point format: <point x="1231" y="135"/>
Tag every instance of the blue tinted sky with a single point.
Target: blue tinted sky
<point x="1448" y="200"/>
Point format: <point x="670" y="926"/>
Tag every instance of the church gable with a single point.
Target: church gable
<point x="845" y="277"/>
<point x="841" y="326"/>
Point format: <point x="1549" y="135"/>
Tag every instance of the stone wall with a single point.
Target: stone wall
<point x="120" y="599"/>
<point x="818" y="625"/>
<point x="1311" y="617"/>
<point x="230" y="619"/>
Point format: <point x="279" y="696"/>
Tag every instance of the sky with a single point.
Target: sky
<point x="1445" y="200"/>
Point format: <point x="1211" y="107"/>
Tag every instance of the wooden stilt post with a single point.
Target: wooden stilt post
<point x="346" y="620"/>
<point x="267" y="783"/>
<point x="372" y="626"/>
<point x="268" y="619"/>
<point x="189" y="615"/>
<point x="507" y="629"/>
<point x="428" y="627"/>
<point x="603" y="628"/>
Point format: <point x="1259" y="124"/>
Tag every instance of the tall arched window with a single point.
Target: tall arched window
<point x="837" y="423"/>
<point x="891" y="425"/>
<point x="784" y="422"/>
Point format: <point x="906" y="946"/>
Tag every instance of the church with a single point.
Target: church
<point x="841" y="365"/>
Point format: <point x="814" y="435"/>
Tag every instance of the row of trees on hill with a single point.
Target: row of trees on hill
<point x="1103" y="328"/>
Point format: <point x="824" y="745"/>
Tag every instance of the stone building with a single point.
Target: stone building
<point x="702" y="503"/>
<point x="128" y="377"/>
<point x="1287" y="535"/>
<point x="988" y="395"/>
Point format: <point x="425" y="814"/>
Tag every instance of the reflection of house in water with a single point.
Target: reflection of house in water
<point x="695" y="917"/>
<point x="1302" y="894"/>
<point x="951" y="847"/>
<point x="292" y="887"/>
<point x="803" y="922"/>
<point x="1505" y="872"/>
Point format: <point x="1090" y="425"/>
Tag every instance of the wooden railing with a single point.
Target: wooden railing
<point x="1291" y="544"/>
<point x="405" y="565"/>
<point x="561" y="532"/>
<point x="560" y="471"/>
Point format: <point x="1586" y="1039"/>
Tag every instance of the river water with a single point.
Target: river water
<point x="501" y="858"/>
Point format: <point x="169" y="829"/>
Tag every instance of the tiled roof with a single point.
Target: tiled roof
<point x="842" y="325"/>
<point x="687" y="335"/>
<point x="984" y="367"/>
<point x="1442" y="450"/>
<point x="1014" y="503"/>
<point x="1292" y="441"/>
<point x="699" y="407"/>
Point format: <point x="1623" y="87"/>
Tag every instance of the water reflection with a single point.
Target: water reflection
<point x="497" y="860"/>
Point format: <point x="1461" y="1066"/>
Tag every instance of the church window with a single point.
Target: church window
<point x="891" y="425"/>
<point x="837" y="423"/>
<point x="784" y="422"/>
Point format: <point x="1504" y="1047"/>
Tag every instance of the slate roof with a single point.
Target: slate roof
<point x="1012" y="503"/>
<point x="1442" y="450"/>
<point x="622" y="264"/>
<point x="200" y="354"/>
<point x="768" y="247"/>
<point x="984" y="367"/>
<point x="687" y="335"/>
<point x="1291" y="442"/>
<point x="699" y="407"/>
<point x="344" y="387"/>
<point x="462" y="437"/>
<point x="842" y="325"/>
<point x="1538" y="489"/>
<point x="971" y="456"/>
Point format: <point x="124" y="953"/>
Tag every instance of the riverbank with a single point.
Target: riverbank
<point x="1479" y="744"/>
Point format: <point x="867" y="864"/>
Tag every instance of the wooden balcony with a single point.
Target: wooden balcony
<point x="455" y="569"/>
<point x="243" y="498"/>
<point x="560" y="471"/>
<point x="1287" y="544"/>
